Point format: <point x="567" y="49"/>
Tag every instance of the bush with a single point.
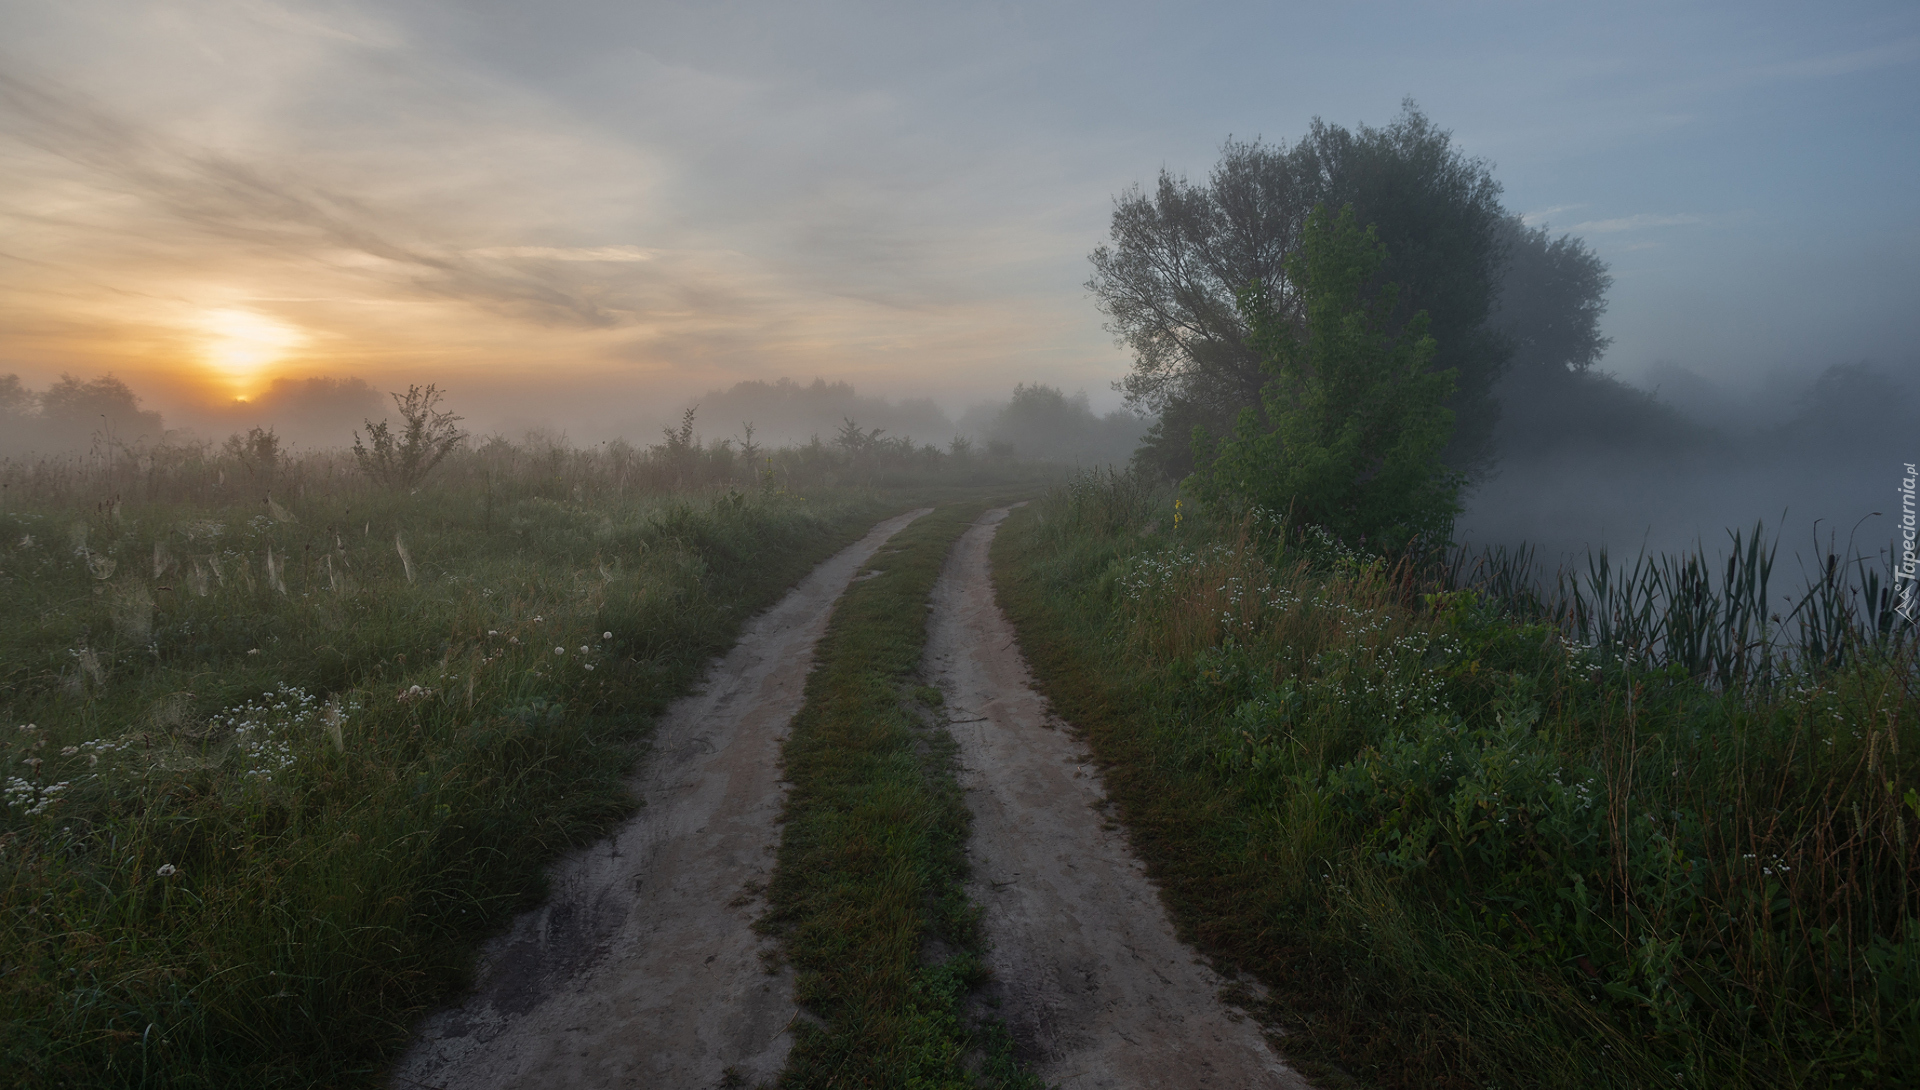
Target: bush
<point x="403" y="461"/>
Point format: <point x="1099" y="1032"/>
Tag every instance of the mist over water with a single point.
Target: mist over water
<point x="1609" y="464"/>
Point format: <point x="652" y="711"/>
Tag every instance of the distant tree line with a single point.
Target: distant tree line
<point x="73" y="415"/>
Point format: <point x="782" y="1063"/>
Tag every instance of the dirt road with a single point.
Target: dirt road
<point x="1094" y="985"/>
<point x="643" y="968"/>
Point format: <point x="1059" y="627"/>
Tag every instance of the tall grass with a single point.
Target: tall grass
<point x="1466" y="846"/>
<point x="280" y="749"/>
<point x="494" y="470"/>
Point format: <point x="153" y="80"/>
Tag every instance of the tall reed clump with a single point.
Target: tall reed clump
<point x="272" y="769"/>
<point x="1463" y="846"/>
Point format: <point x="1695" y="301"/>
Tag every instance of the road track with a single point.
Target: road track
<point x="643" y="968"/>
<point x="1095" y="987"/>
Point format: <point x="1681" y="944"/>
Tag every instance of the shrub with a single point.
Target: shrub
<point x="403" y="461"/>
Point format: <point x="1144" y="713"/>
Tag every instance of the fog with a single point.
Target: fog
<point x="1581" y="460"/>
<point x="1594" y="461"/>
<point x="1034" y="422"/>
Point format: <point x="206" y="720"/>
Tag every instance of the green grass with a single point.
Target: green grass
<point x="1463" y="851"/>
<point x="867" y="895"/>
<point x="239" y="847"/>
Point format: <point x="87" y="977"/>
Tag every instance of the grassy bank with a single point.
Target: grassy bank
<point x="274" y="767"/>
<point x="1464" y="850"/>
<point x="868" y="895"/>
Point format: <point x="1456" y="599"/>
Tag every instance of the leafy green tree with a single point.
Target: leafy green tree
<point x="1182" y="253"/>
<point x="1356" y="422"/>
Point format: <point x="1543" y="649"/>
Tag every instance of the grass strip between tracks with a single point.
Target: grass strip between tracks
<point x="868" y="893"/>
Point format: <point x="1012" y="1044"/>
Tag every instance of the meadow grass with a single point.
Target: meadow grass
<point x="1461" y="847"/>
<point x="276" y="761"/>
<point x="868" y="894"/>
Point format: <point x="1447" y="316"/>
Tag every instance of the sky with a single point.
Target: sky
<point x="578" y="214"/>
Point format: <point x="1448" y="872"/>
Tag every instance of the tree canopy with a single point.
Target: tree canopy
<point x="1356" y="419"/>
<point x="1179" y="257"/>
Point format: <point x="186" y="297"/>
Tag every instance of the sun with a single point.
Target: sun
<point x="240" y="345"/>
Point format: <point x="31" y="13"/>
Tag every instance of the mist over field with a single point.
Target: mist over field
<point x="580" y="225"/>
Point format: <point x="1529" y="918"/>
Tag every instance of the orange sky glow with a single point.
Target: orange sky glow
<point x="168" y="219"/>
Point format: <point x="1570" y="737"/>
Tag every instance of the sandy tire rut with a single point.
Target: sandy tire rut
<point x="643" y="968"/>
<point x="1091" y="980"/>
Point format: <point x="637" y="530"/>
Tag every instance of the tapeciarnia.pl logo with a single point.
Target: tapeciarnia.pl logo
<point x="1903" y="572"/>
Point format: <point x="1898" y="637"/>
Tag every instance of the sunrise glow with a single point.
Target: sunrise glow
<point x="240" y="346"/>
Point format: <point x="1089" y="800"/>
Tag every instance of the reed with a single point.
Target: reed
<point x="1720" y="619"/>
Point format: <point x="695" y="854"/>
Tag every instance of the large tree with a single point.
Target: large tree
<point x="1357" y="420"/>
<point x="1170" y="275"/>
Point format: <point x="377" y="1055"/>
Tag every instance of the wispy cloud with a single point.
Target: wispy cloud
<point x="1639" y="222"/>
<point x="567" y="253"/>
<point x="224" y="197"/>
<point x="1534" y="219"/>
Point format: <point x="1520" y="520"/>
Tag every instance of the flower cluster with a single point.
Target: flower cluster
<point x="35" y="797"/>
<point x="263" y="730"/>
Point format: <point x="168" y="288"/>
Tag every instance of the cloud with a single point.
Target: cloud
<point x="567" y="253"/>
<point x="494" y="206"/>
<point x="256" y="203"/>
<point x="1639" y="222"/>
<point x="1535" y="219"/>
